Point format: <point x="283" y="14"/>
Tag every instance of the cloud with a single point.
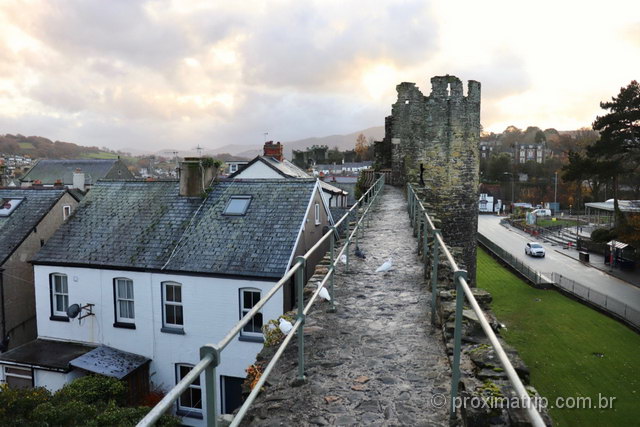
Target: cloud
<point x="177" y="73"/>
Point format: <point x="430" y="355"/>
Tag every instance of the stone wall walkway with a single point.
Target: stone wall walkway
<point x="376" y="360"/>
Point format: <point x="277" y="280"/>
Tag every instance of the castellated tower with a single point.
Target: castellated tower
<point x="440" y="131"/>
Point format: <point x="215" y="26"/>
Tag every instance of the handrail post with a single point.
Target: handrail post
<point x="356" y="227"/>
<point x="434" y="274"/>
<point x="457" y="338"/>
<point x="299" y="279"/>
<point x="332" y="267"/>
<point x="415" y="215"/>
<point x="348" y="244"/>
<point x="210" y="389"/>
<point x="425" y="250"/>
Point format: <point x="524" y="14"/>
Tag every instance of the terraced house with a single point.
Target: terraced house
<point x="157" y="270"/>
<point x="28" y="218"/>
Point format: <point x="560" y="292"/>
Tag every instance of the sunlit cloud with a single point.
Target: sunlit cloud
<point x="157" y="73"/>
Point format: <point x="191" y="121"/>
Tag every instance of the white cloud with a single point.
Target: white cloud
<point x="178" y="73"/>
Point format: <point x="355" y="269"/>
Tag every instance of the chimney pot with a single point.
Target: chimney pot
<point x="274" y="150"/>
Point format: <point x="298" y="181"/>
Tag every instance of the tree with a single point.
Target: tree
<point x="498" y="165"/>
<point x="619" y="142"/>
<point x="362" y="148"/>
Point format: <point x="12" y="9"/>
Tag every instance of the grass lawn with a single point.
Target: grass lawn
<point x="560" y="339"/>
<point x="25" y="145"/>
<point x="550" y="223"/>
<point x="101" y="155"/>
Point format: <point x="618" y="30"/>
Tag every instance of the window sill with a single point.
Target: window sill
<point x="172" y="330"/>
<point x="59" y="318"/>
<point x="189" y="414"/>
<point x="251" y="339"/>
<point x="124" y="325"/>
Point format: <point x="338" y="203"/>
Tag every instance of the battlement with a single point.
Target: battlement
<point x="433" y="140"/>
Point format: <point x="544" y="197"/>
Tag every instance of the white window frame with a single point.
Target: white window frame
<point x="317" y="213"/>
<point x="233" y="167"/>
<point x="6" y="374"/>
<point x="55" y="293"/>
<point x="244" y="311"/>
<point x="165" y="303"/>
<point x="128" y="299"/>
<point x="188" y="411"/>
<point x="66" y="212"/>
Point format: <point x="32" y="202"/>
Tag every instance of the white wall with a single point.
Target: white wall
<point x="211" y="308"/>
<point x="258" y="170"/>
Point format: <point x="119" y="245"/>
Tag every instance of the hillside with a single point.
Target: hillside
<point x="39" y="147"/>
<point x="247" y="152"/>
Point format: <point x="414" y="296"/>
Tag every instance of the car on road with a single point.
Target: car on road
<point x="534" y="249"/>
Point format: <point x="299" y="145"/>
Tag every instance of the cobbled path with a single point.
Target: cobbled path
<point x="376" y="360"/>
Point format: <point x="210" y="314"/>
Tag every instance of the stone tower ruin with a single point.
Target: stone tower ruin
<point x="440" y="131"/>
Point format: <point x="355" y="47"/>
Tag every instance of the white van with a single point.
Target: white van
<point x="542" y="212"/>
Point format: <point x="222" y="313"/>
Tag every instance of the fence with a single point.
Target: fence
<point x="424" y="228"/>
<point x="538" y="279"/>
<point x="609" y="304"/>
<point x="210" y="354"/>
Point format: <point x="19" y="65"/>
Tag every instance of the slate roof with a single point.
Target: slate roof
<point x="287" y="170"/>
<point x="109" y="362"/>
<point x="284" y="168"/>
<point x="148" y="226"/>
<point x="17" y="226"/>
<point x="46" y="353"/>
<point x="50" y="170"/>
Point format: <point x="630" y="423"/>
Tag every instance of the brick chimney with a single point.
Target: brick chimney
<point x="274" y="150"/>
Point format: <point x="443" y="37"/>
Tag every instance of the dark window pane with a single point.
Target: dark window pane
<point x="170" y="314"/>
<point x="168" y="293"/>
<point x="257" y="321"/>
<point x="177" y="293"/>
<point x="178" y="309"/>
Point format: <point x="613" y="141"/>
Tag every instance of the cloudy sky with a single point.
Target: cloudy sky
<point x="147" y="75"/>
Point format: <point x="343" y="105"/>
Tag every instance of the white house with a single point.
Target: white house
<point x="156" y="274"/>
<point x="273" y="165"/>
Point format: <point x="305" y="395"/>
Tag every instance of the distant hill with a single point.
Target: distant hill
<point x="247" y="152"/>
<point x="39" y="147"/>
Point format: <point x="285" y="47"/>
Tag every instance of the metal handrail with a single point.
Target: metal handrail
<point x="424" y="222"/>
<point x="210" y="353"/>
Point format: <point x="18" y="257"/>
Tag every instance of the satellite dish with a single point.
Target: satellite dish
<point x="73" y="311"/>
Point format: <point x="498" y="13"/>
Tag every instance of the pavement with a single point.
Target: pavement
<point x="376" y="361"/>
<point x="562" y="261"/>
<point x="597" y="261"/>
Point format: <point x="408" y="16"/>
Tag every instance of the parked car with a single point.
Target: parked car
<point x="534" y="249"/>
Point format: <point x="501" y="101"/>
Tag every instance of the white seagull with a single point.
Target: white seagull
<point x="285" y="326"/>
<point x="324" y="293"/>
<point x="387" y="266"/>
<point x="343" y="258"/>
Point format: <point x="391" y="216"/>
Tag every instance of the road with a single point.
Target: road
<point x="514" y="242"/>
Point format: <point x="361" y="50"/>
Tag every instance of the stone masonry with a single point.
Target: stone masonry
<point x="440" y="132"/>
<point x="376" y="361"/>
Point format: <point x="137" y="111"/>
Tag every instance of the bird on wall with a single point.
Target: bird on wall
<point x="387" y="266"/>
<point x="359" y="253"/>
<point x="285" y="326"/>
<point x="324" y="293"/>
